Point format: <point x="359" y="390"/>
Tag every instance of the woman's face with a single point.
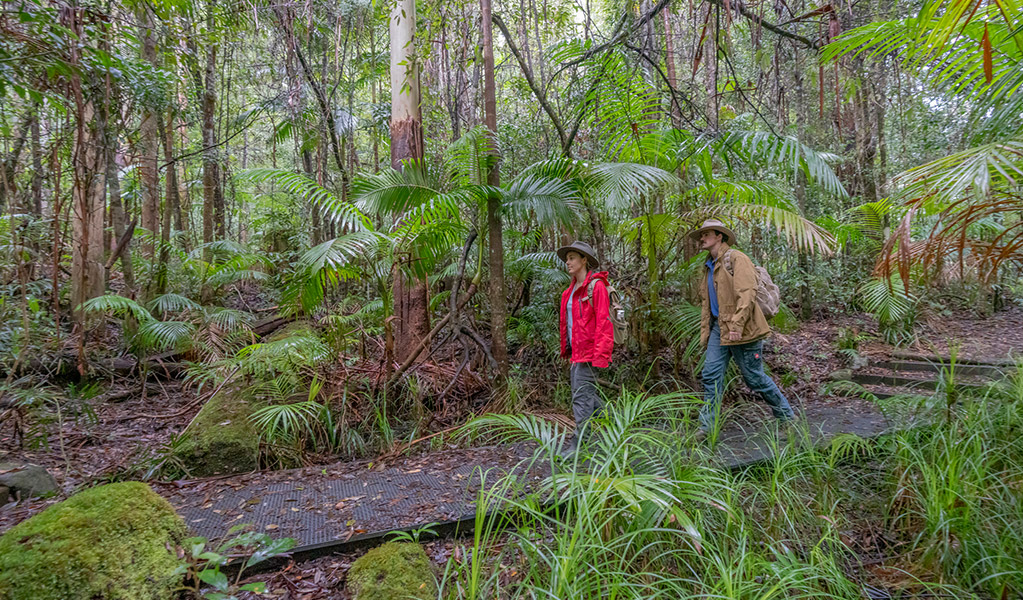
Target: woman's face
<point x="576" y="263"/>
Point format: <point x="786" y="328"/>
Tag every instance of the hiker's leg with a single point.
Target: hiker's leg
<point x="713" y="377"/>
<point x="585" y="397"/>
<point x="751" y="364"/>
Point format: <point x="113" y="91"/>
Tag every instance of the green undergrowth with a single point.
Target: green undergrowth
<point x="114" y="542"/>
<point x="933" y="511"/>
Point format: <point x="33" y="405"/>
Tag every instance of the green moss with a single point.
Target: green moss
<point x="392" y="571"/>
<point x="785" y="321"/>
<point x="109" y="542"/>
<point x="221" y="439"/>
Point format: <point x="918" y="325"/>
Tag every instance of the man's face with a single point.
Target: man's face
<point x="575" y="262"/>
<point x="710" y="239"/>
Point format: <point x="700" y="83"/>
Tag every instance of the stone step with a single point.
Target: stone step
<point x="921" y="357"/>
<point x="969" y="370"/>
<point x="910" y="383"/>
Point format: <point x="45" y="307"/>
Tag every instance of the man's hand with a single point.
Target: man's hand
<point x="734" y="336"/>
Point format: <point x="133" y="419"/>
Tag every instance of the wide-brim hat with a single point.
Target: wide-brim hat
<point x="582" y="248"/>
<point x="714" y="225"/>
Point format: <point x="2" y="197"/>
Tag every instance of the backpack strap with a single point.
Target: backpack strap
<point x="589" y="289"/>
<point x="728" y="262"/>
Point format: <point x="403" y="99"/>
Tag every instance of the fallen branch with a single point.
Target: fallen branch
<point x="121" y="244"/>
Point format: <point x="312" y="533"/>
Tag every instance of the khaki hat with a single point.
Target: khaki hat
<point x="582" y="248"/>
<point x="714" y="225"/>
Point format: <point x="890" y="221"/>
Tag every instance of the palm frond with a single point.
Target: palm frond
<point x="624" y="107"/>
<point x="974" y="172"/>
<point x="395" y="192"/>
<point x="164" y="335"/>
<point x="618" y="185"/>
<point x="551" y="201"/>
<point x="470" y="157"/>
<point x="329" y="263"/>
<point x="230" y="320"/>
<point x="683" y="327"/>
<point x="172" y="303"/>
<point x="764" y="203"/>
<point x="787" y="152"/>
<point x="345" y="214"/>
<point x="117" y="305"/>
<point x="887" y="299"/>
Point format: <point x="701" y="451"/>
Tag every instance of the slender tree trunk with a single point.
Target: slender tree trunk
<point x="805" y="293"/>
<point x="210" y="166"/>
<point x="37" y="170"/>
<point x="149" y="141"/>
<point x="88" y="160"/>
<point x="669" y="63"/>
<point x="498" y="308"/>
<point x="117" y="216"/>
<point x="411" y="301"/>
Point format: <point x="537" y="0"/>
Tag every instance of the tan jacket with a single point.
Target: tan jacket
<point x="737" y="301"/>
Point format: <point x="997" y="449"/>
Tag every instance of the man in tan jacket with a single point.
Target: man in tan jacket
<point x="732" y="326"/>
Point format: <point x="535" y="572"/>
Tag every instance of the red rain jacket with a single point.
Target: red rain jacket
<point x="593" y="335"/>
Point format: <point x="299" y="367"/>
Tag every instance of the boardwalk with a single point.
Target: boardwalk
<point x="356" y="503"/>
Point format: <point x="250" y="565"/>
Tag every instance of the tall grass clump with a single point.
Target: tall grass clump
<point x="958" y="495"/>
<point x="639" y="512"/>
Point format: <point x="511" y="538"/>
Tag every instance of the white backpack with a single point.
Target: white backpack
<point x="616" y="312"/>
<point x="768" y="294"/>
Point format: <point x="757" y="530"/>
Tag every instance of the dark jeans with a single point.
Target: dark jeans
<point x="586" y="400"/>
<point x="749" y="359"/>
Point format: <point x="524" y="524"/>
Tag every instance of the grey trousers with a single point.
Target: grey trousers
<point x="586" y="400"/>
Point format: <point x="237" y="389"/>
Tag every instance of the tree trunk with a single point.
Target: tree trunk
<point x="87" y="273"/>
<point x="117" y="216"/>
<point x="210" y="167"/>
<point x="805" y="293"/>
<point x="411" y="301"/>
<point x="669" y="63"/>
<point x="498" y="309"/>
<point x="149" y="141"/>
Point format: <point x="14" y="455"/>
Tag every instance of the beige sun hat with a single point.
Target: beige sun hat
<point x="714" y="225"/>
<point x="583" y="249"/>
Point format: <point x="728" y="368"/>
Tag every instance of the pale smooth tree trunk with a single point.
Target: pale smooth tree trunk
<point x="498" y="310"/>
<point x="411" y="301"/>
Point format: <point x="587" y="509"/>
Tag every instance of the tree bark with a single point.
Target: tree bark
<point x="805" y="293"/>
<point x="411" y="301"/>
<point x="210" y="166"/>
<point x="149" y="141"/>
<point x="498" y="308"/>
<point x="88" y="161"/>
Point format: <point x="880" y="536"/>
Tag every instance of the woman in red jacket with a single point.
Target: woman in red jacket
<point x="587" y="334"/>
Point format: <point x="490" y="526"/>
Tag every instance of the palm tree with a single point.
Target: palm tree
<point x="971" y="50"/>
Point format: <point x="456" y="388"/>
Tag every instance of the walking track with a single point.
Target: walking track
<point x="355" y="504"/>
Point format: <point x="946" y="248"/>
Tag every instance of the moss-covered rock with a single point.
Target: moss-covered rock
<point x="392" y="571"/>
<point x="221" y="439"/>
<point x="110" y="542"/>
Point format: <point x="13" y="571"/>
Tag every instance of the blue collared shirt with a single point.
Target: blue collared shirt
<point x="711" y="292"/>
